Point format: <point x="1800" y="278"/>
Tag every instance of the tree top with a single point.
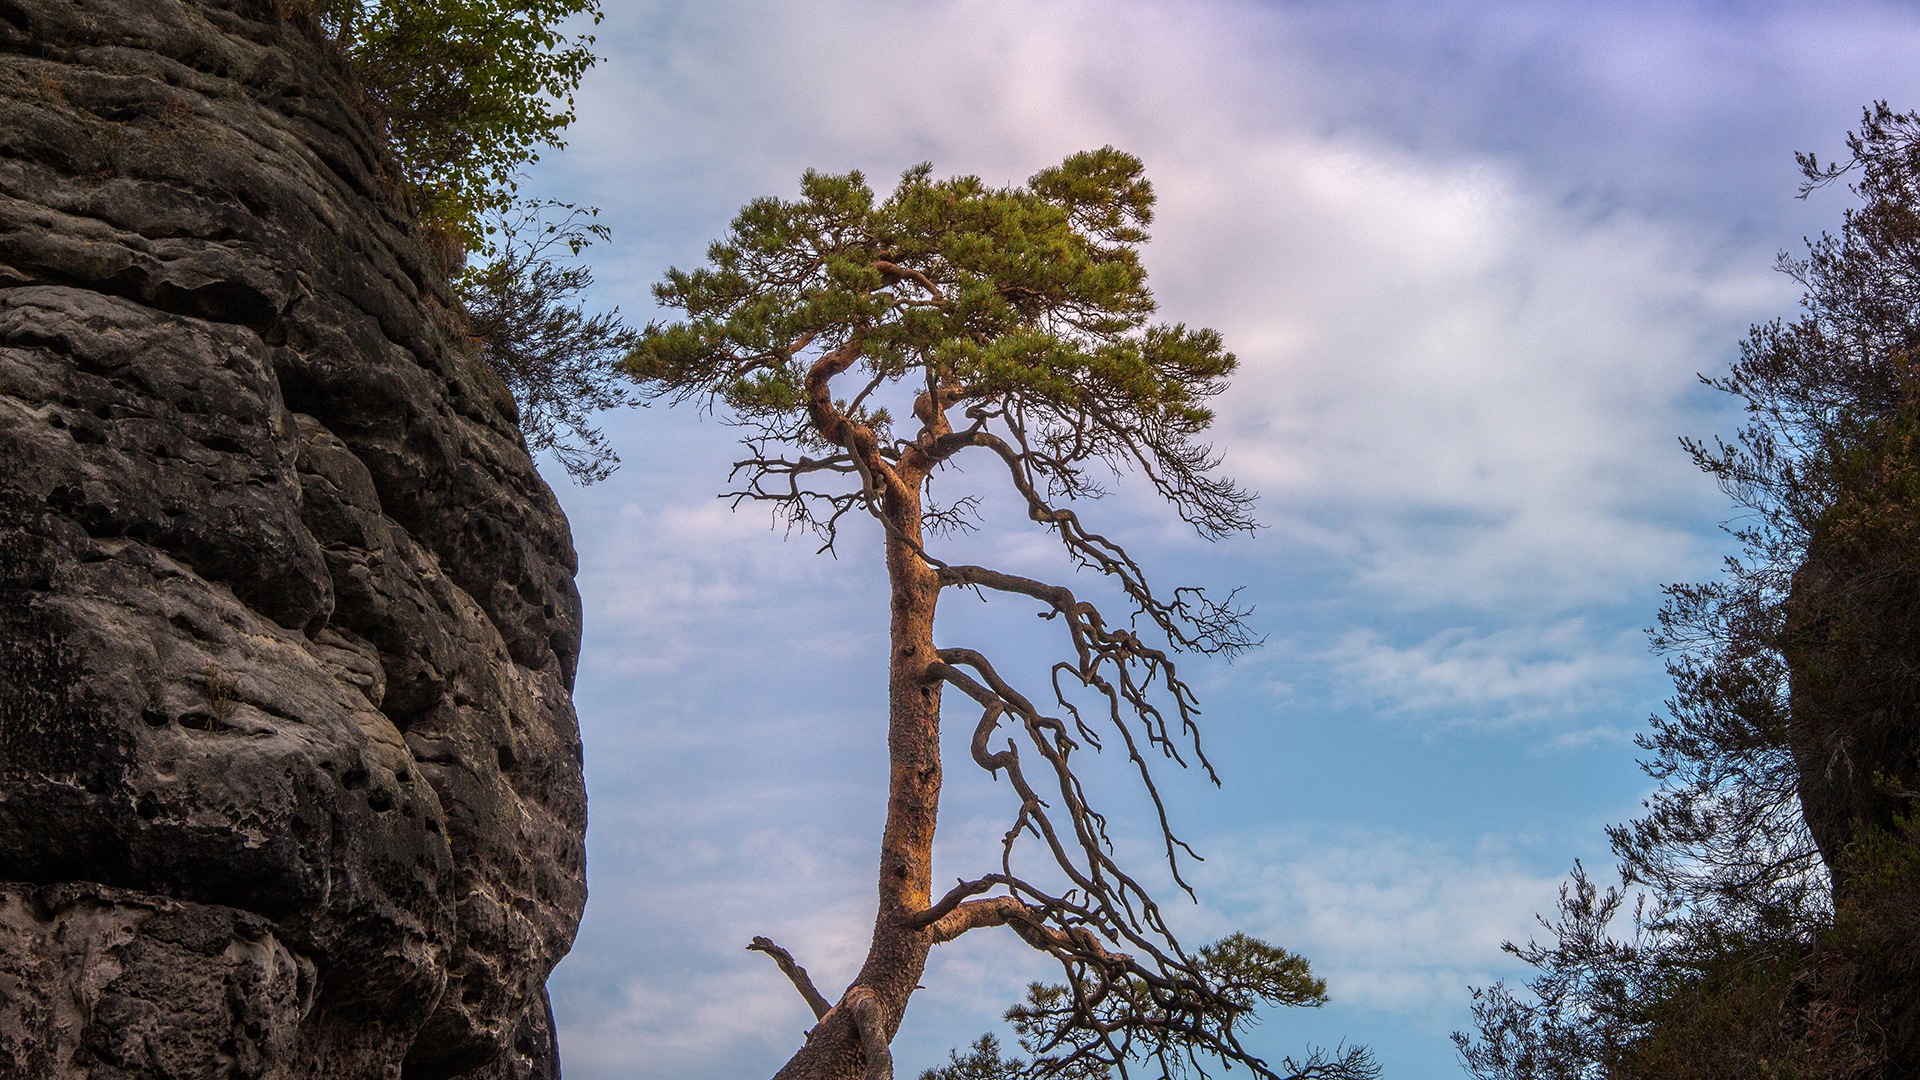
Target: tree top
<point x="1022" y="305"/>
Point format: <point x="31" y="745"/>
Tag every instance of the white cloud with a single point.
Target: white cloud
<point x="660" y="580"/>
<point x="1468" y="386"/>
<point x="1392" y="923"/>
<point x="683" y="898"/>
<point x="1526" y="674"/>
<point x="670" y="1022"/>
<point x="1483" y="389"/>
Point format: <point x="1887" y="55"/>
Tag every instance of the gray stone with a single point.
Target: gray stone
<point x="289" y="772"/>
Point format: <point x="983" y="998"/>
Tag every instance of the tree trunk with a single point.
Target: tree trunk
<point x="898" y="954"/>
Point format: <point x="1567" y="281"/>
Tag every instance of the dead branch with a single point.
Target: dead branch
<point x="952" y="900"/>
<point x="1111" y="901"/>
<point x="795" y="972"/>
<point x="1107" y="662"/>
<point x="1190" y="620"/>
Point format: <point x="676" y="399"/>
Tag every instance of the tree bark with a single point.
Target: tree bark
<point x="835" y="1048"/>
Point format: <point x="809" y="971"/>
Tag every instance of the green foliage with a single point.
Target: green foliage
<point x="1776" y="935"/>
<point x="1086" y="1031"/>
<point x="468" y="91"/>
<point x="1176" y="1033"/>
<point x="559" y="363"/>
<point x="1684" y="994"/>
<point x="984" y="1063"/>
<point x="1029" y="303"/>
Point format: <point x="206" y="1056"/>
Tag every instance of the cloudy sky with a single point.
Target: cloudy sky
<point x="1471" y="256"/>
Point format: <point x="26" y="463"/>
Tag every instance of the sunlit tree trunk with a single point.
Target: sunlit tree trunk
<point x="855" y="1033"/>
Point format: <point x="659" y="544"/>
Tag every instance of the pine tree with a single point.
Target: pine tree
<point x="1012" y="326"/>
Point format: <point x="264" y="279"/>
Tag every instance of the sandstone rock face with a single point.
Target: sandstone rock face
<point x="289" y="773"/>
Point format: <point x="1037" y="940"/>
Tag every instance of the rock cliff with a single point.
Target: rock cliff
<point x="289" y="773"/>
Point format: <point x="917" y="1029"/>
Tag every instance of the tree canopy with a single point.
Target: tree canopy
<point x="865" y="344"/>
<point x="1027" y="306"/>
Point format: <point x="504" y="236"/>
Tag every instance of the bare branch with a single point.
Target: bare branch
<point x="993" y="911"/>
<point x="776" y="480"/>
<point x="952" y="900"/>
<point x="795" y="972"/>
<point x="1111" y="900"/>
<point x="1106" y="662"/>
<point x="1189" y="620"/>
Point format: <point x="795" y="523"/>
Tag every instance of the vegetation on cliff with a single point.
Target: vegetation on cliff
<point x="467" y="92"/>
<point x="1778" y="866"/>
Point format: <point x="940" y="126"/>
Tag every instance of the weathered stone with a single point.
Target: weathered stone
<point x="289" y="773"/>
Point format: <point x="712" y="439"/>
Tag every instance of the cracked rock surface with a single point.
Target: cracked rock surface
<point x="289" y="771"/>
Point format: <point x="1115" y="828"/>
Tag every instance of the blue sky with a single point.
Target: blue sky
<point x="1471" y="257"/>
